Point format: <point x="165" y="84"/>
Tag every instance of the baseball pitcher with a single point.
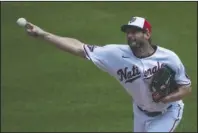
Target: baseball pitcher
<point x="154" y="76"/>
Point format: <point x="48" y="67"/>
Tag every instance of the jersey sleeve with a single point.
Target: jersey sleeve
<point x="181" y="76"/>
<point x="99" y="55"/>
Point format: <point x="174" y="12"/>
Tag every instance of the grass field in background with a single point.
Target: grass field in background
<point x="44" y="89"/>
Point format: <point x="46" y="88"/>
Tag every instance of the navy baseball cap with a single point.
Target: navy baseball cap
<point x="137" y="22"/>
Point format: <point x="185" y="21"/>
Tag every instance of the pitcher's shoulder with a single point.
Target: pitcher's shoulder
<point x="169" y="53"/>
<point x="166" y="51"/>
<point x="116" y="47"/>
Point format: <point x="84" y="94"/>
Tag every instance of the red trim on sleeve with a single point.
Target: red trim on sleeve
<point x="86" y="51"/>
<point x="174" y="124"/>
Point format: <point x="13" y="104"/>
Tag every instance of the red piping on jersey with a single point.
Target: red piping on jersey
<point x="101" y="62"/>
<point x="176" y="119"/>
<point x="185" y="84"/>
<point x="86" y="52"/>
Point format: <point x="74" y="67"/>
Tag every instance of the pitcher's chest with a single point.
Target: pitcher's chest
<point x="130" y="70"/>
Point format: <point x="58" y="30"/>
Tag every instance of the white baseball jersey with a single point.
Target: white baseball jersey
<point x="133" y="73"/>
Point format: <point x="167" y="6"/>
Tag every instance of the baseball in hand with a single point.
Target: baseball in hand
<point x="30" y="28"/>
<point x="22" y="22"/>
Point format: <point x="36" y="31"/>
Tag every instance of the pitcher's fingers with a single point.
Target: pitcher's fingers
<point x="29" y="26"/>
<point x="31" y="33"/>
<point x="29" y="30"/>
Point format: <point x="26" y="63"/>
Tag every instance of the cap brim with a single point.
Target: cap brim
<point x="125" y="27"/>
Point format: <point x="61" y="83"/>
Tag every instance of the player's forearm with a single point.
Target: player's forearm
<point x="178" y="95"/>
<point x="67" y="44"/>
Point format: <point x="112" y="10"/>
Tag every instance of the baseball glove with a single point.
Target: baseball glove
<point x="162" y="83"/>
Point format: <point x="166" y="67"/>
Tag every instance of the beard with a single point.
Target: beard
<point x="131" y="43"/>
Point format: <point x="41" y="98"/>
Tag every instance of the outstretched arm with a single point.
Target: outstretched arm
<point x="99" y="55"/>
<point x="67" y="44"/>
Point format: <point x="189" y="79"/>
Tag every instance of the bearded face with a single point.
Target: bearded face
<point x="136" y="37"/>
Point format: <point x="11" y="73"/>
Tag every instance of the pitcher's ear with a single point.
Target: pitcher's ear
<point x="147" y="34"/>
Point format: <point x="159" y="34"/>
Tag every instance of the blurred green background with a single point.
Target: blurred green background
<point x="44" y="89"/>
